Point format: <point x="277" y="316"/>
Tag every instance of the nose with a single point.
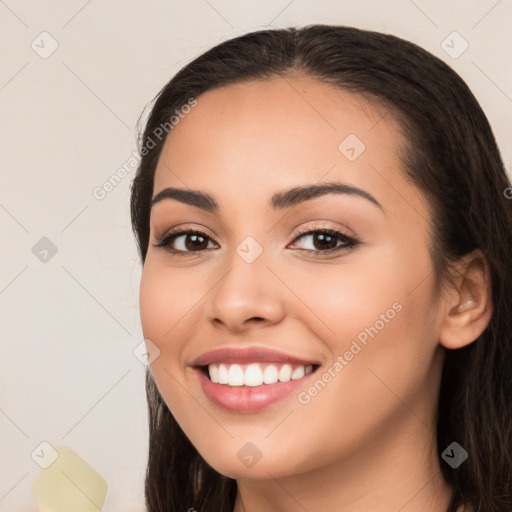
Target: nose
<point x="246" y="296"/>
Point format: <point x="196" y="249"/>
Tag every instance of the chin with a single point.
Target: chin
<point x="246" y="460"/>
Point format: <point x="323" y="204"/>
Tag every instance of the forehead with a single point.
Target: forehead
<point x="280" y="133"/>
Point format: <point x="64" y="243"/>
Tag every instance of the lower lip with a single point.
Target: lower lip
<point x="247" y="398"/>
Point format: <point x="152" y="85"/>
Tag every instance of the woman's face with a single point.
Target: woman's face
<point x="264" y="274"/>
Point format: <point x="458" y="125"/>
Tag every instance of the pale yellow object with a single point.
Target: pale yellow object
<point x="69" y="484"/>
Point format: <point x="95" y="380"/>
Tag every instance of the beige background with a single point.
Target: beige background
<point x="69" y="325"/>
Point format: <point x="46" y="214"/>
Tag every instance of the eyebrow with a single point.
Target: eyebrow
<point x="279" y="201"/>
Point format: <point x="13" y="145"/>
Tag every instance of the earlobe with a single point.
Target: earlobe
<point x="468" y="303"/>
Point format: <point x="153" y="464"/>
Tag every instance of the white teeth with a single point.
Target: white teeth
<point x="256" y="374"/>
<point x="214" y="373"/>
<point x="298" y="373"/>
<point x="223" y="373"/>
<point x="253" y="375"/>
<point x="236" y="375"/>
<point x="285" y="373"/>
<point x="270" y="374"/>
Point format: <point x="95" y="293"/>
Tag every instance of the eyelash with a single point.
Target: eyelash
<point x="349" y="242"/>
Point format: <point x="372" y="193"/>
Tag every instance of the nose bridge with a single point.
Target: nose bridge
<point x="245" y="291"/>
<point x="250" y="249"/>
<point x="247" y="270"/>
<point x="249" y="238"/>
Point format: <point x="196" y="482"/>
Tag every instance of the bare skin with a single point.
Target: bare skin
<point x="366" y="441"/>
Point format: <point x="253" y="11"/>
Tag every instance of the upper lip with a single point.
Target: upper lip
<point x="248" y="355"/>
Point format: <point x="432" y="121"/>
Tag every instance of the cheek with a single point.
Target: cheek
<point x="159" y="307"/>
<point x="386" y="332"/>
<point x="380" y="318"/>
<point x="167" y="299"/>
<point x="351" y="296"/>
<point x="152" y="297"/>
<point x="163" y="300"/>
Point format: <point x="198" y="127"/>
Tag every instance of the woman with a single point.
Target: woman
<point x="341" y="339"/>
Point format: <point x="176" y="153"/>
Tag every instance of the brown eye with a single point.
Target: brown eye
<point x="326" y="240"/>
<point x="184" y="241"/>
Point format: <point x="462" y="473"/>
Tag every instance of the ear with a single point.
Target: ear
<point x="468" y="303"/>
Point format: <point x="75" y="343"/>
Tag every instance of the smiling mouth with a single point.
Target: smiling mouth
<point x="255" y="374"/>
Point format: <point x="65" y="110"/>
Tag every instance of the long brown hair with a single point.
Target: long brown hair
<point x="452" y="157"/>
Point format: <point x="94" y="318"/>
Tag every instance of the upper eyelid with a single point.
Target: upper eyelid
<point x="301" y="231"/>
<point x="180" y="231"/>
<point x="344" y="230"/>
